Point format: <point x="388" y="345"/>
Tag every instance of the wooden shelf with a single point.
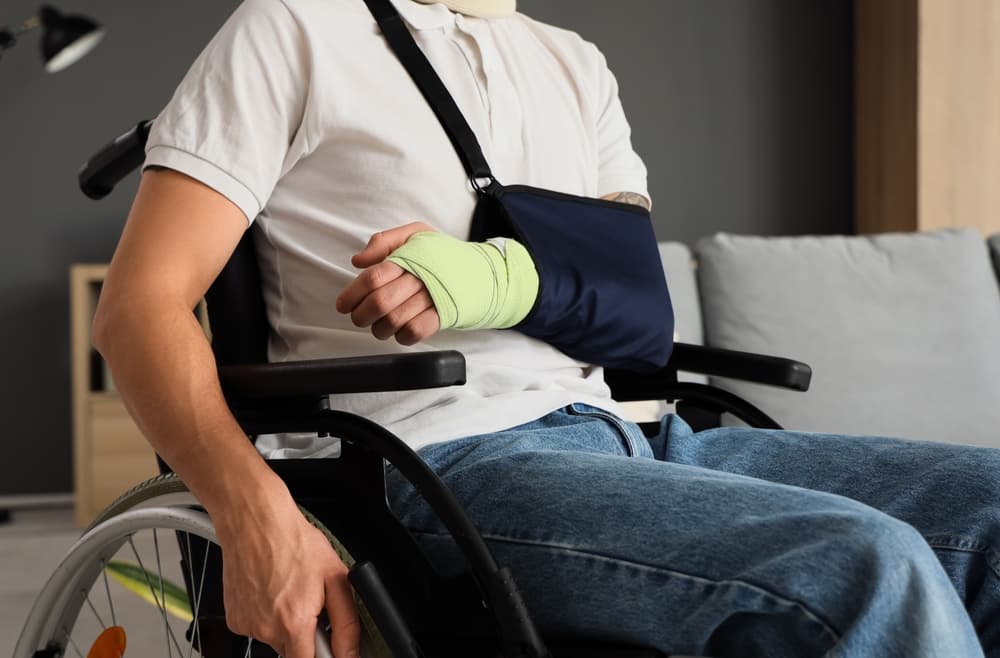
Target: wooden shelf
<point x="110" y="454"/>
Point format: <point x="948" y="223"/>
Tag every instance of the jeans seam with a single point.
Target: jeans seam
<point x="965" y="545"/>
<point x="618" y="423"/>
<point x="804" y="609"/>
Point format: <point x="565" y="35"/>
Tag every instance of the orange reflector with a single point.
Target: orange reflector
<point x="109" y="644"/>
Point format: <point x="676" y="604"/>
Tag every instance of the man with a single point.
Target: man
<point x="730" y="542"/>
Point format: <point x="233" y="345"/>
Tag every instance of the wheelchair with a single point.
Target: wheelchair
<point x="408" y="609"/>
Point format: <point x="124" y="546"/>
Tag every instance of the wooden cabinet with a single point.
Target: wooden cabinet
<point x="927" y="129"/>
<point x="110" y="455"/>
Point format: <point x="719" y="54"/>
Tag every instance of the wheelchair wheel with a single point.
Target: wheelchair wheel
<point x="135" y="544"/>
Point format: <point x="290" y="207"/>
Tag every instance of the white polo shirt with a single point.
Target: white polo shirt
<point x="299" y="113"/>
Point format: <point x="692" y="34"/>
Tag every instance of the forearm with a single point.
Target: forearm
<point x="629" y="197"/>
<point x="178" y="237"/>
<point x="459" y="285"/>
<point x="165" y="370"/>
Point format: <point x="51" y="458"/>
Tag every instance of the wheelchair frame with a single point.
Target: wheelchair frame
<point x="348" y="494"/>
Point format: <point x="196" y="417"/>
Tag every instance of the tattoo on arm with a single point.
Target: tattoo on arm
<point x="630" y="197"/>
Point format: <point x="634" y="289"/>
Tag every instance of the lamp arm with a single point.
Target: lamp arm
<point x="9" y="35"/>
<point x="30" y="24"/>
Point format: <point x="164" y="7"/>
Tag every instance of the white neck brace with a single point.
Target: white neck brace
<point x="478" y="8"/>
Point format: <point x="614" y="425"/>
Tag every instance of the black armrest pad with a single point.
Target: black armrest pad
<point x="745" y="366"/>
<point x="363" y="374"/>
<point x="759" y="368"/>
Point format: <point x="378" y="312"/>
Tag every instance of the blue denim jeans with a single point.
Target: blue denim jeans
<point x="734" y="541"/>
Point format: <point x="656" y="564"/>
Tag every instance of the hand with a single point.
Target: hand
<point x="279" y="574"/>
<point x="386" y="297"/>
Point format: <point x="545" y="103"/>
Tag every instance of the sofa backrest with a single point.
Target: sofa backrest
<point x="679" y="268"/>
<point x="902" y="331"/>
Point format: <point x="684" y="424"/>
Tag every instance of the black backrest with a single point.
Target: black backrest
<point x="235" y="300"/>
<point x="236" y="310"/>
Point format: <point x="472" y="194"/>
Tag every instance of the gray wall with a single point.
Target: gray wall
<point x="741" y="109"/>
<point x="49" y="124"/>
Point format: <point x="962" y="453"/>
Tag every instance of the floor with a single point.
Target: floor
<point x="31" y="546"/>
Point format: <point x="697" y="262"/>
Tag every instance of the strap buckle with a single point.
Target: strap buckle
<point x="482" y="183"/>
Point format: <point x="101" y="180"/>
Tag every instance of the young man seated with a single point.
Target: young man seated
<point x="732" y="542"/>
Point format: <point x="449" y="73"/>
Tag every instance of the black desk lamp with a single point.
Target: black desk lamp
<point x="65" y="39"/>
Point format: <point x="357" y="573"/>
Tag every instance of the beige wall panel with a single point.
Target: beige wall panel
<point x="959" y="119"/>
<point x="927" y="95"/>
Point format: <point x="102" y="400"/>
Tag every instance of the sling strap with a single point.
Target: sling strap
<point x="602" y="297"/>
<point x="433" y="90"/>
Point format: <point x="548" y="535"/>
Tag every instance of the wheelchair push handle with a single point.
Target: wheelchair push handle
<point x="106" y="168"/>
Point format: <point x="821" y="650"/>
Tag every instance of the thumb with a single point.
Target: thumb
<point x="383" y="243"/>
<point x="345" y="626"/>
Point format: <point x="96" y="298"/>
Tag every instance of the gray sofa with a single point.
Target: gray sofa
<point x="902" y="330"/>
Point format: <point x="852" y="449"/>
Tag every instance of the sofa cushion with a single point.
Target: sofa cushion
<point x="678" y="266"/>
<point x="902" y="330"/>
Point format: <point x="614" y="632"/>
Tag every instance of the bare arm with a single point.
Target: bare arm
<point x="178" y="237"/>
<point x="279" y="570"/>
<point x="629" y="197"/>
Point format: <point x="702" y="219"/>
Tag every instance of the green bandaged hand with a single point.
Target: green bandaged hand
<point x="474" y="285"/>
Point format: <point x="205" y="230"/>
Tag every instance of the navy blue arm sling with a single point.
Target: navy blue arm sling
<point x="602" y="295"/>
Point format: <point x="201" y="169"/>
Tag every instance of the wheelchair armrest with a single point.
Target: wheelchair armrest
<point x="699" y="359"/>
<point x="745" y="366"/>
<point x="363" y="374"/>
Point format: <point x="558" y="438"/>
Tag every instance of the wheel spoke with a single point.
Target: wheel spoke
<point x="161" y="606"/>
<point x="73" y="644"/>
<point x="86" y="596"/>
<point x="197" y="597"/>
<point x="249" y="644"/>
<point x="57" y="620"/>
<point x="159" y="573"/>
<point x="107" y="591"/>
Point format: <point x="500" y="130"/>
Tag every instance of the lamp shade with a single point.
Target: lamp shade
<point x="66" y="38"/>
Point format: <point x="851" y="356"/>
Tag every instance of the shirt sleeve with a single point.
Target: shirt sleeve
<point x="235" y="116"/>
<point x="620" y="169"/>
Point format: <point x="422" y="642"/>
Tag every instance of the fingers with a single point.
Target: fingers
<point x="421" y="327"/>
<point x="396" y="318"/>
<point x="383" y="243"/>
<point x="345" y="626"/>
<point x="364" y="284"/>
<point x="391" y="302"/>
<point x="385" y="297"/>
<point x="291" y="636"/>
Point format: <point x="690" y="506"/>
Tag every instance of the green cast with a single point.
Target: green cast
<point x="474" y="285"/>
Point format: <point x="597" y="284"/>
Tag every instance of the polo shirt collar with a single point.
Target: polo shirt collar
<point x="424" y="17"/>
